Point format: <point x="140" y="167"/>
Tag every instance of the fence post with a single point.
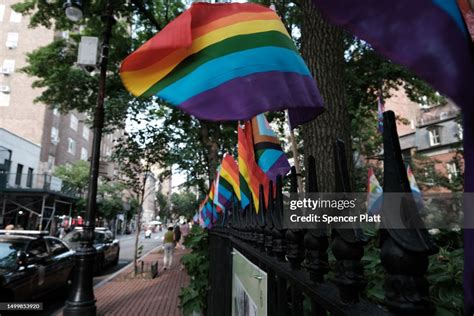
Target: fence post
<point x="269" y="222"/>
<point x="315" y="240"/>
<point x="260" y="220"/>
<point x="404" y="252"/>
<point x="347" y="244"/>
<point x="294" y="237"/>
<point x="278" y="231"/>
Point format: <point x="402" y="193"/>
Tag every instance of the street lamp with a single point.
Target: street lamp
<point x="81" y="301"/>
<point x="73" y="10"/>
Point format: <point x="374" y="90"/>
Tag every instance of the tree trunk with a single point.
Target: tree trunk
<point x="209" y="140"/>
<point x="137" y="237"/>
<point x="139" y="221"/>
<point x="323" y="49"/>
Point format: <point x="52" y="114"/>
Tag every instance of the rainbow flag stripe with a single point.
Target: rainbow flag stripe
<point x="237" y="54"/>
<point x="269" y="154"/>
<point x="251" y="175"/>
<point x="230" y="174"/>
<point x="415" y="190"/>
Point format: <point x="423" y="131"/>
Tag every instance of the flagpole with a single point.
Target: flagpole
<point x="294" y="149"/>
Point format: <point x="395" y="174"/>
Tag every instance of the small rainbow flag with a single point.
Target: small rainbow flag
<point x="374" y="193"/>
<point x="251" y="175"/>
<point x="223" y="196"/>
<point x="230" y="173"/>
<point x="415" y="190"/>
<point x="213" y="196"/>
<point x="269" y="154"/>
<point x="225" y="61"/>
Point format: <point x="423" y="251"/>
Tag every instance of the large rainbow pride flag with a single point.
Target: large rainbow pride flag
<point x="225" y="61"/>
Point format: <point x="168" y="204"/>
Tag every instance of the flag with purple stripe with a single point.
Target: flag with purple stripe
<point x="428" y="37"/>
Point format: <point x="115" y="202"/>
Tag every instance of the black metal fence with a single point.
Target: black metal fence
<point x="296" y="261"/>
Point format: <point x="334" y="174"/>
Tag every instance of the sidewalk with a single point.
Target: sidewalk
<point x="158" y="296"/>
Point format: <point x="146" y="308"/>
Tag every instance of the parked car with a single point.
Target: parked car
<point x="108" y="248"/>
<point x="33" y="265"/>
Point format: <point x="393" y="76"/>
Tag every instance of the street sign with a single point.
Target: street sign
<point x="56" y="184"/>
<point x="104" y="169"/>
<point x="87" y="55"/>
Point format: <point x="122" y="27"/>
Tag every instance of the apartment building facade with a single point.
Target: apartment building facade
<point x="62" y="137"/>
<point x="432" y="131"/>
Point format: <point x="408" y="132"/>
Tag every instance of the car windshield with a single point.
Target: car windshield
<point x="8" y="252"/>
<point x="75" y="237"/>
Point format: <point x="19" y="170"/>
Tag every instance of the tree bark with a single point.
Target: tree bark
<point x="210" y="141"/>
<point x="141" y="200"/>
<point x="322" y="47"/>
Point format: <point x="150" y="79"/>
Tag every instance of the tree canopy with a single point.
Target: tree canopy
<point x="193" y="146"/>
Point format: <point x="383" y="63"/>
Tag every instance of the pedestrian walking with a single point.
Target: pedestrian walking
<point x="177" y="235"/>
<point x="168" y="244"/>
<point x="184" y="232"/>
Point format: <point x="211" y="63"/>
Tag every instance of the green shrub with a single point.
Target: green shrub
<point x="194" y="297"/>
<point x="444" y="272"/>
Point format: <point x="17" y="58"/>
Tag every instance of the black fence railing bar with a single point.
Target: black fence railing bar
<point x="296" y="260"/>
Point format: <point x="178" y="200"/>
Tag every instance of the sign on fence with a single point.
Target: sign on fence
<point x="249" y="287"/>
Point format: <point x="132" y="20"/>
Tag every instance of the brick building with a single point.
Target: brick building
<point x="57" y="138"/>
<point x="433" y="131"/>
<point x="63" y="138"/>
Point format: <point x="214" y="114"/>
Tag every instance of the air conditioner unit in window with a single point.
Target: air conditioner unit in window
<point x="55" y="140"/>
<point x="4" y="89"/>
<point x="11" y="45"/>
<point x="5" y="71"/>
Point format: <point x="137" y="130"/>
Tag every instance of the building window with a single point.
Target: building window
<point x="84" y="154"/>
<point x="12" y="40"/>
<point x="71" y="146"/>
<point x="74" y="122"/>
<point x="85" y="132"/>
<point x="50" y="162"/>
<point x="434" y="137"/>
<point x="4" y="99"/>
<point x="460" y="132"/>
<point x="8" y="66"/>
<point x="19" y="171"/>
<point x="15" y="17"/>
<point x="2" y="11"/>
<point x="54" y="135"/>
<point x="452" y="171"/>
<point x="29" y="178"/>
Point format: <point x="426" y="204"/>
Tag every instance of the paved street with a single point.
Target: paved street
<point x="127" y="244"/>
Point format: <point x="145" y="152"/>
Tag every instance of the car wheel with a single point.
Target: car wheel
<point x="116" y="260"/>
